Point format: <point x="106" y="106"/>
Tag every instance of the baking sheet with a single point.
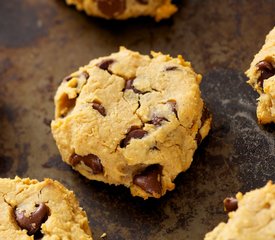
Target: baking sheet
<point x="43" y="41"/>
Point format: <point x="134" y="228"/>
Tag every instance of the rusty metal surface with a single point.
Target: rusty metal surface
<point x="43" y="41"/>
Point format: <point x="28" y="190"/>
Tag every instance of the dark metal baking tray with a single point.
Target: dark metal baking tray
<point x="43" y="41"/>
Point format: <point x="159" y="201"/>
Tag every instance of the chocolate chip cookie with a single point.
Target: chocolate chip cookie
<point x="251" y="216"/>
<point x="40" y="210"/>
<point x="131" y="119"/>
<point x="262" y="78"/>
<point x="123" y="9"/>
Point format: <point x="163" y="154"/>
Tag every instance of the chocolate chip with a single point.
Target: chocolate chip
<point x="150" y="179"/>
<point x="129" y="85"/>
<point x="97" y="106"/>
<point x="38" y="235"/>
<point x="33" y="222"/>
<point x="171" y="68"/>
<point x="68" y="78"/>
<point x="173" y="105"/>
<point x="105" y="64"/>
<point x="230" y="204"/>
<point x="91" y="160"/>
<point x="143" y="1"/>
<point x="157" y="120"/>
<point x="111" y="8"/>
<point x="267" y="71"/>
<point x="86" y="74"/>
<point x="133" y="133"/>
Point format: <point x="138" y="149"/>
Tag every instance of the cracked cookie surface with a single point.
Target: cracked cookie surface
<point x="123" y="9"/>
<point x="253" y="218"/>
<point x="131" y="119"/>
<point x="261" y="76"/>
<point x="40" y="210"/>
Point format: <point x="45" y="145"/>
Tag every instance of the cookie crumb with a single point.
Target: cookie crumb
<point x="103" y="235"/>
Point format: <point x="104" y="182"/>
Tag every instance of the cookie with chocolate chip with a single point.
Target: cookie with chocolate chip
<point x="251" y="216"/>
<point x="123" y="9"/>
<point x="261" y="76"/>
<point x="131" y="119"/>
<point x="40" y="210"/>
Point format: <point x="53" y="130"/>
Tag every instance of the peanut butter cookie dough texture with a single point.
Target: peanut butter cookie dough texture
<point x="131" y="119"/>
<point x="251" y="216"/>
<point x="40" y="210"/>
<point x="123" y="9"/>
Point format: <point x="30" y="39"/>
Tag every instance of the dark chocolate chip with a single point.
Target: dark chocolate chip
<point x="150" y="179"/>
<point x="143" y="1"/>
<point x="97" y="106"/>
<point x="129" y="85"/>
<point x="157" y="120"/>
<point x="91" y="160"/>
<point x="86" y="74"/>
<point x="230" y="204"/>
<point x="133" y="133"/>
<point x="267" y="71"/>
<point x="33" y="222"/>
<point x="68" y="78"/>
<point x="173" y="105"/>
<point x="171" y="68"/>
<point x="38" y="235"/>
<point x="105" y="64"/>
<point x="110" y="8"/>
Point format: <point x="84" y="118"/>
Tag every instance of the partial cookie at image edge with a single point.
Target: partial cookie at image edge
<point x="33" y="210"/>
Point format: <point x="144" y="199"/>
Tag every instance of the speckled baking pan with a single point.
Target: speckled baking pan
<point x="43" y="41"/>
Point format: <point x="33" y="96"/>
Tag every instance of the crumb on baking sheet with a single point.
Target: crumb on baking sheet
<point x="103" y="235"/>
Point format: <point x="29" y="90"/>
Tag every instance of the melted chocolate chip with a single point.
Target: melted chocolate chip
<point x="91" y="160"/>
<point x="38" y="235"/>
<point x="33" y="222"/>
<point x="171" y="68"/>
<point x="230" y="204"/>
<point x="68" y="78"/>
<point x="105" y="64"/>
<point x="143" y="1"/>
<point x="86" y="74"/>
<point x="133" y="133"/>
<point x="150" y="179"/>
<point x="173" y="105"/>
<point x="129" y="85"/>
<point x="110" y="8"/>
<point x="157" y="120"/>
<point x="97" y="106"/>
<point x="267" y="71"/>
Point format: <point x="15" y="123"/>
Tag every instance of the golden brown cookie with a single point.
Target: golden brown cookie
<point x="131" y="119"/>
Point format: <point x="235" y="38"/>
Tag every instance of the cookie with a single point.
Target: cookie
<point x="40" y="210"/>
<point x="251" y="216"/>
<point x="123" y="9"/>
<point x="131" y="119"/>
<point x="261" y="76"/>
